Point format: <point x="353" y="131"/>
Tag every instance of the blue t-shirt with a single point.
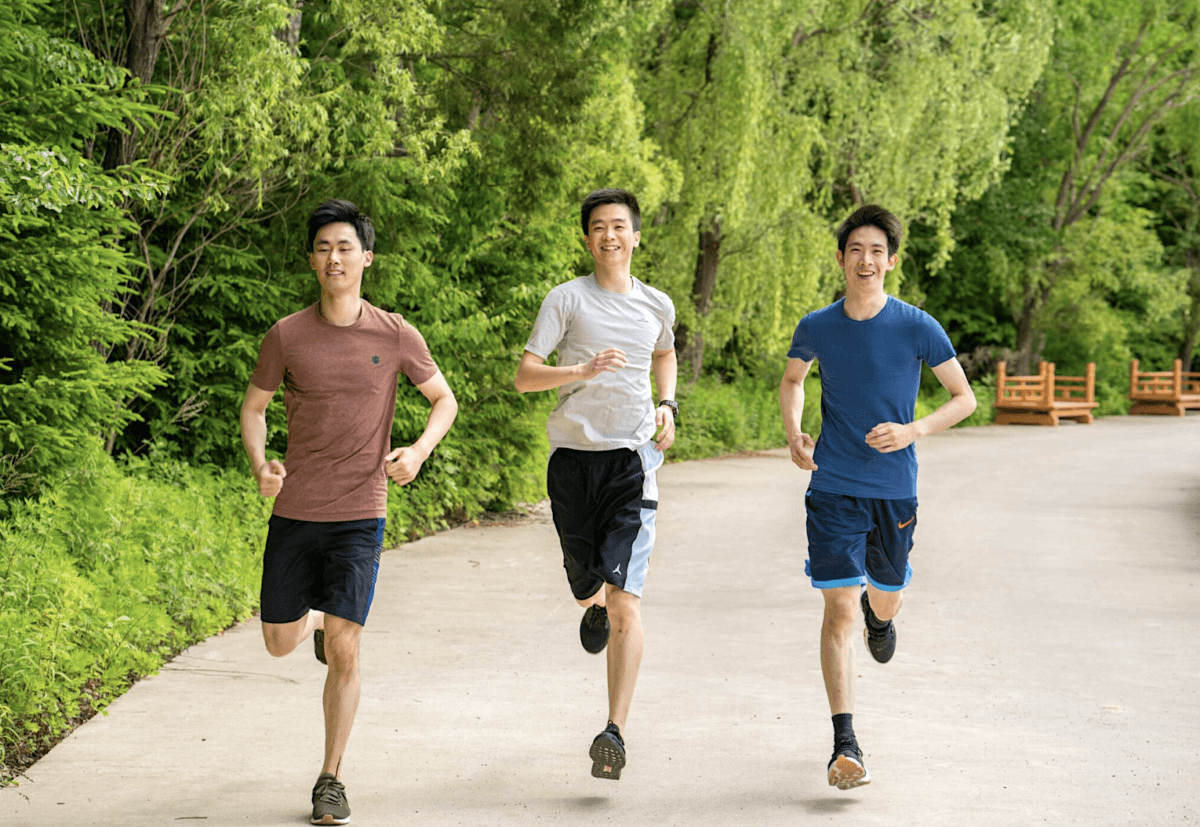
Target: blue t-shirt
<point x="870" y="373"/>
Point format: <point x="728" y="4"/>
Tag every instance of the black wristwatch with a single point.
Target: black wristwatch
<point x="672" y="404"/>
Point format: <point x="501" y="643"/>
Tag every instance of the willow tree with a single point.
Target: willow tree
<point x="1117" y="70"/>
<point x="783" y="115"/>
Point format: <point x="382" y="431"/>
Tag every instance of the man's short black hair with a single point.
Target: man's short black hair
<point x="337" y="211"/>
<point x="872" y="215"/>
<point x="610" y="196"/>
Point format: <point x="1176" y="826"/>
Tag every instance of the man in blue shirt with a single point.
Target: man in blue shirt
<point x="862" y="499"/>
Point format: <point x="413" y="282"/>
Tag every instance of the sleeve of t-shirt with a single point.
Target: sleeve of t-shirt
<point x="415" y="360"/>
<point x="802" y="343"/>
<point x="666" y="337"/>
<point x="268" y="372"/>
<point x="935" y="344"/>
<point x="549" y="327"/>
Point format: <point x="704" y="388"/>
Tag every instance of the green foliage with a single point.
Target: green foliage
<point x="718" y="418"/>
<point x="106" y="575"/>
<point x="61" y="225"/>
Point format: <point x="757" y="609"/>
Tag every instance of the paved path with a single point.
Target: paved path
<point x="1047" y="668"/>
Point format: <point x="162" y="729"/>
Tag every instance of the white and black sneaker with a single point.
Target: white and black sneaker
<point x="846" y="768"/>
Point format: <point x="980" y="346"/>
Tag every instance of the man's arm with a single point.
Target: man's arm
<point x="888" y="436"/>
<point x="791" y="402"/>
<point x="533" y="374"/>
<point x="403" y="464"/>
<point x="666" y="372"/>
<point x="269" y="475"/>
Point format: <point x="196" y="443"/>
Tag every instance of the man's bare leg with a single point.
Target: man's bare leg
<point x="625" y="645"/>
<point x="282" y="638"/>
<point x="342" y="687"/>
<point x="846" y="769"/>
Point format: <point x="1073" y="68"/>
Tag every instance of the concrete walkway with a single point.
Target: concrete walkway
<point x="1046" y="673"/>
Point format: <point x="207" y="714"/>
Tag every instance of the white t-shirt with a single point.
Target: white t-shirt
<point x="579" y="319"/>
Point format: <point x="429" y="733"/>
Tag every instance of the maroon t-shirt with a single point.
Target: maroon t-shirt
<point x="339" y="389"/>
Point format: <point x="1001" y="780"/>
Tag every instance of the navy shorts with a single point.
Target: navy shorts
<point x="604" y="505"/>
<point x="330" y="567"/>
<point x="852" y="540"/>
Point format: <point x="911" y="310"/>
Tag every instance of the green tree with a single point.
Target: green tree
<point x="1098" y="106"/>
<point x="783" y="115"/>
<point x="61" y="224"/>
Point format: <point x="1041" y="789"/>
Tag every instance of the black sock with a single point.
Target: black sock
<point x="843" y="729"/>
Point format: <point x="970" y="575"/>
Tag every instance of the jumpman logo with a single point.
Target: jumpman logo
<point x="617" y="570"/>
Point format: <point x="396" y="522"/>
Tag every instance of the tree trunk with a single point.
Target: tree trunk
<point x="690" y="343"/>
<point x="1191" y="319"/>
<point x="143" y="38"/>
<point x="290" y="34"/>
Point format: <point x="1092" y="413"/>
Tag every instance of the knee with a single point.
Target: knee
<point x="341" y="653"/>
<point x="277" y="645"/>
<point x="624" y="610"/>
<point x="841" y="616"/>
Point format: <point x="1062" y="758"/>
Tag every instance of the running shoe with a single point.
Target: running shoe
<point x="846" y="769"/>
<point x="880" y="636"/>
<point x="319" y="645"/>
<point x="329" y="801"/>
<point x="608" y="753"/>
<point x="593" y="629"/>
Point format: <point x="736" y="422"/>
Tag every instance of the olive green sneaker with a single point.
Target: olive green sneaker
<point x="319" y="645"/>
<point x="329" y="801"/>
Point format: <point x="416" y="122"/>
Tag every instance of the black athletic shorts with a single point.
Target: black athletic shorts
<point x="604" y="505"/>
<point x="330" y="567"/>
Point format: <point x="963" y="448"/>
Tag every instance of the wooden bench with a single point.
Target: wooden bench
<point x="1044" y="399"/>
<point x="1163" y="393"/>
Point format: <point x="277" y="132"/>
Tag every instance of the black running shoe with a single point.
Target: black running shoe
<point x="319" y="645"/>
<point x="880" y="636"/>
<point x="846" y="769"/>
<point x="608" y="753"/>
<point x="593" y="629"/>
<point x="329" y="801"/>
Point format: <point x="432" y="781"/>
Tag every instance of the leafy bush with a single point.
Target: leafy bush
<point x="106" y="575"/>
<point x="718" y="417"/>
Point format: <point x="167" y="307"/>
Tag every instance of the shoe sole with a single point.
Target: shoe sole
<point x="845" y="773"/>
<point x="329" y="819"/>
<point x="608" y="759"/>
<point x="584" y="629"/>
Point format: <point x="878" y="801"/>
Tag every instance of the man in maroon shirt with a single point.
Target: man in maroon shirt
<point x="339" y="362"/>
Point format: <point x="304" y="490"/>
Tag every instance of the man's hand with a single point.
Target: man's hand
<point x="664" y="423"/>
<point x="802" y="447"/>
<point x="887" y="437"/>
<point x="606" y="361"/>
<point x="403" y="464"/>
<point x="270" y="478"/>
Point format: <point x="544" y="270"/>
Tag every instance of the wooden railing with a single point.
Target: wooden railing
<point x="1045" y="398"/>
<point x="1163" y="393"/>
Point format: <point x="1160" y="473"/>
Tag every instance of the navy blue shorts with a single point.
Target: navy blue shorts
<point x="852" y="540"/>
<point x="330" y="567"/>
<point x="604" y="505"/>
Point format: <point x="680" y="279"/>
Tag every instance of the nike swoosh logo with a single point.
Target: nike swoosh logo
<point x="907" y="524"/>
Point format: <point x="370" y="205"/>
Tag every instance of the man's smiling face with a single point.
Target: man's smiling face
<point x="611" y="237"/>
<point x="865" y="261"/>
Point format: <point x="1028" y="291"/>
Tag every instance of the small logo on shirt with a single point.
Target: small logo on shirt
<point x="374" y="360"/>
<point x="617" y="570"/>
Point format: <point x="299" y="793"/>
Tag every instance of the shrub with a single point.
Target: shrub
<point x="106" y="575"/>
